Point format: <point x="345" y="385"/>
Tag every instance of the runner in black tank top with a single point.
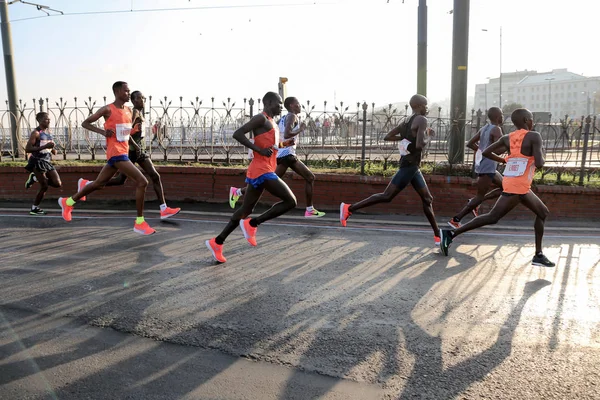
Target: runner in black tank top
<point x="411" y="145"/>
<point x="41" y="147"/>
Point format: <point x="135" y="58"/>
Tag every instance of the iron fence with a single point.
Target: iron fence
<point x="201" y="131"/>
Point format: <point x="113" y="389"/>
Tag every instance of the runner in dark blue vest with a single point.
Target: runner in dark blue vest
<point x="41" y="147"/>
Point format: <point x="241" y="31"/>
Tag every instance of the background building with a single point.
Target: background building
<point x="559" y="92"/>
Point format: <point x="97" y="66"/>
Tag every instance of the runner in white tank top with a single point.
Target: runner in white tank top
<point x="289" y="127"/>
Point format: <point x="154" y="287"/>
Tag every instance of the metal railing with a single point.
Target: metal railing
<point x="201" y="131"/>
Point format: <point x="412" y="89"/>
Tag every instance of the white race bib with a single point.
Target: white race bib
<point x="515" y="166"/>
<point x="478" y="157"/>
<point x="403" y="147"/>
<point x="250" y="151"/>
<point x="123" y="131"/>
<point x="42" y="144"/>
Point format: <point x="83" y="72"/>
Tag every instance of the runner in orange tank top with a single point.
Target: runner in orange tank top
<point x="259" y="177"/>
<point x="137" y="155"/>
<point x="117" y="130"/>
<point x="525" y="155"/>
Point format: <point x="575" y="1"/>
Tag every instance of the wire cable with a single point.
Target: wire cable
<point x="271" y="5"/>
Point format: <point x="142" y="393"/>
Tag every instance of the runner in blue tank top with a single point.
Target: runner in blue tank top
<point x="484" y="167"/>
<point x="41" y="147"/>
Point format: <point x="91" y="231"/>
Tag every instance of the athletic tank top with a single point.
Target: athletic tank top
<point x="43" y="139"/>
<point x="484" y="165"/>
<point x="414" y="156"/>
<point x="520" y="168"/>
<point x="291" y="150"/>
<point x="137" y="132"/>
<point x="120" y="122"/>
<point x="260" y="164"/>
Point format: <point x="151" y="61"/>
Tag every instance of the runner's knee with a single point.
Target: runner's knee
<point x="155" y="176"/>
<point x="427" y="200"/>
<point x="142" y="181"/>
<point x="291" y="201"/>
<point x="310" y="178"/>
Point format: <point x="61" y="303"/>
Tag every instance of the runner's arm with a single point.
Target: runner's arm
<point x="30" y="147"/>
<point x="102" y="112"/>
<point x="392" y="136"/>
<point x="495" y="134"/>
<point x="137" y="119"/>
<point x="538" y="149"/>
<point x="493" y="149"/>
<point x="421" y="132"/>
<point x="288" y="133"/>
<point x="240" y="135"/>
<point x="473" y="144"/>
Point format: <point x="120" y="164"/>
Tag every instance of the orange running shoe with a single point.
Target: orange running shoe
<point x="216" y="250"/>
<point x="454" y="224"/>
<point x="249" y="231"/>
<point x="143" y="229"/>
<point x="66" y="210"/>
<point x="344" y="213"/>
<point x="80" y="185"/>
<point x="169" y="212"/>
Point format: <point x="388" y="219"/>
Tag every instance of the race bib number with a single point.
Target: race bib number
<point x="123" y="132"/>
<point x="515" y="167"/>
<point x="478" y="157"/>
<point x="42" y="144"/>
<point x="403" y="147"/>
<point x="250" y="151"/>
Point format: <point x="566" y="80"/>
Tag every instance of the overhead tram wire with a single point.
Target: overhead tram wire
<point x="269" y="5"/>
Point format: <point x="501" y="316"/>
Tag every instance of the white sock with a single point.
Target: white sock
<point x="34" y="207"/>
<point x="238" y="192"/>
<point x="163" y="207"/>
<point x="88" y="183"/>
<point x="309" y="209"/>
<point x="34" y="178"/>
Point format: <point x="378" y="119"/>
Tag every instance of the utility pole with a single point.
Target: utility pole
<point x="11" y="87"/>
<point x="458" y="97"/>
<point x="500" y="69"/>
<point x="422" y="49"/>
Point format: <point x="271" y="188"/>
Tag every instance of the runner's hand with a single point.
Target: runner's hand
<point x="109" y="132"/>
<point x="302" y="126"/>
<point x="53" y="151"/>
<point x="49" y="145"/>
<point x="289" y="142"/>
<point x="267" y="152"/>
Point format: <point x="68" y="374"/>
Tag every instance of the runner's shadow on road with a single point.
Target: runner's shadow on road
<point x="430" y="379"/>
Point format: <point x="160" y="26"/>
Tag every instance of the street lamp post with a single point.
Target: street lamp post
<point x="550" y="94"/>
<point x="589" y="102"/>
<point x="500" y="68"/>
<point x="486" y="85"/>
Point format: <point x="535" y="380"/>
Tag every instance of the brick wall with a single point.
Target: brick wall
<point x="212" y="184"/>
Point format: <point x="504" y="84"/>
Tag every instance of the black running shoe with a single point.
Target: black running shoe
<point x="446" y="240"/>
<point x="30" y="181"/>
<point x="37" y="211"/>
<point x="541" y="260"/>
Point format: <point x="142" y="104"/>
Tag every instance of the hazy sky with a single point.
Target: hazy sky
<point x="354" y="50"/>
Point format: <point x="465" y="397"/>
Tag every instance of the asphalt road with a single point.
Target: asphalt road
<point x="90" y="310"/>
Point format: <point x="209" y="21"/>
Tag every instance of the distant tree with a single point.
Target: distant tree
<point x="509" y="108"/>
